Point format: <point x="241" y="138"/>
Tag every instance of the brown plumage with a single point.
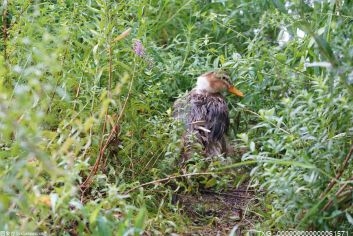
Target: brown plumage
<point x="204" y="113"/>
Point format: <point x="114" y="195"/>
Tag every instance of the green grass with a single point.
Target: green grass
<point x="77" y="103"/>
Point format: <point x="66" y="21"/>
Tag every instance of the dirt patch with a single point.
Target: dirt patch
<point x="218" y="213"/>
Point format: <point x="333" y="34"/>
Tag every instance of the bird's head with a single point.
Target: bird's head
<point x="216" y="82"/>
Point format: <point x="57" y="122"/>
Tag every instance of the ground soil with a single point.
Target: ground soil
<point x="219" y="213"/>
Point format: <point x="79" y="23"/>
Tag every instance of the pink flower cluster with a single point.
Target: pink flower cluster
<point x="138" y="48"/>
<point x="140" y="51"/>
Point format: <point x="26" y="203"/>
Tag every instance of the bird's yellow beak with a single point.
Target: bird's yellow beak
<point x="235" y="91"/>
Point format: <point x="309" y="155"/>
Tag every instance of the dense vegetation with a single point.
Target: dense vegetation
<point x="88" y="145"/>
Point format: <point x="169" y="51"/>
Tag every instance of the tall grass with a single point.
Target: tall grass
<point x="85" y="118"/>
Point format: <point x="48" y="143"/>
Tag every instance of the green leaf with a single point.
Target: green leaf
<point x="279" y="5"/>
<point x="103" y="226"/>
<point x="5" y="201"/>
<point x="252" y="146"/>
<point x="140" y="219"/>
<point x="349" y="218"/>
<point x="323" y="45"/>
<point x="210" y="183"/>
<point x="94" y="214"/>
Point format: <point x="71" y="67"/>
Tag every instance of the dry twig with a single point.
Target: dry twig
<point x="167" y="179"/>
<point x="335" y="180"/>
<point x="337" y="195"/>
<point x="339" y="173"/>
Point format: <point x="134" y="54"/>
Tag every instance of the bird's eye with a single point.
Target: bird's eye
<point x="225" y="78"/>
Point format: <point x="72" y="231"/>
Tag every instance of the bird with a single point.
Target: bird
<point x="204" y="114"/>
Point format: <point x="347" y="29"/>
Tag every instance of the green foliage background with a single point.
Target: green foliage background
<point x="67" y="80"/>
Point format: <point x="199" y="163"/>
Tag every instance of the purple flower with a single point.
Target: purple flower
<point x="138" y="48"/>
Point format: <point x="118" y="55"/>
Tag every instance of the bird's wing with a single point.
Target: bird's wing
<point x="217" y="117"/>
<point x="207" y="116"/>
<point x="210" y="112"/>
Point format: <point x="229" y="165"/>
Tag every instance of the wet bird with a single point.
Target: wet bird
<point x="204" y="113"/>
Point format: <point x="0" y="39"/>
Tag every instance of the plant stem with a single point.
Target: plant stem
<point x="340" y="172"/>
<point x="4" y="28"/>
<point x="167" y="179"/>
